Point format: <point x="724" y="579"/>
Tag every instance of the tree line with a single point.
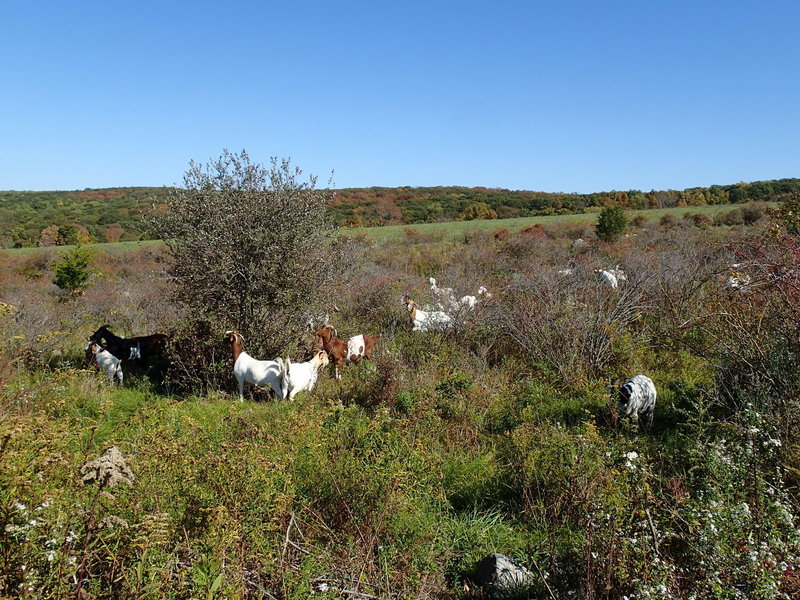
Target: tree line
<point x="54" y="218"/>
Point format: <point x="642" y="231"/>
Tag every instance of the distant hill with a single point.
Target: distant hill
<point x="114" y="214"/>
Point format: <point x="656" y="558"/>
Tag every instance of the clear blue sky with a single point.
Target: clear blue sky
<point x="573" y="96"/>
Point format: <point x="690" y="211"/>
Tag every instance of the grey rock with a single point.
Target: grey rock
<point x="503" y="577"/>
<point x="109" y="470"/>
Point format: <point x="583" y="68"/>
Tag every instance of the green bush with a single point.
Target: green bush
<point x="72" y="270"/>
<point x="611" y="223"/>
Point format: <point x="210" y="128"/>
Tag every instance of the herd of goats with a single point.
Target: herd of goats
<point x="106" y="351"/>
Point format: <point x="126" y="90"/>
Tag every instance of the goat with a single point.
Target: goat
<point x="317" y="320"/>
<point x="336" y="348"/>
<point x="425" y="321"/>
<point x="361" y="346"/>
<point x="261" y="373"/>
<point x="618" y="273"/>
<point x="471" y="301"/>
<point x="136" y="348"/>
<point x="637" y="396"/>
<point x="106" y="361"/>
<point x="738" y="279"/>
<point x="607" y="277"/>
<point x="299" y="377"/>
<point x="445" y="298"/>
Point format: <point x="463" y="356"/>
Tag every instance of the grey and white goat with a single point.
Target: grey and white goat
<point x="637" y="396"/>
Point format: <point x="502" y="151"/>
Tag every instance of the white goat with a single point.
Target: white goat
<point x="607" y="277"/>
<point x="445" y="298"/>
<point x="316" y="320"/>
<point x="637" y="396"/>
<point x="426" y="321"/>
<point x="106" y="362"/>
<point x="471" y="301"/>
<point x="619" y="274"/>
<point x="299" y="377"/>
<point x="738" y="280"/>
<point x="261" y="373"/>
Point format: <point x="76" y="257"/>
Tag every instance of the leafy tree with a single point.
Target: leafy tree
<point x="72" y="270"/>
<point x="788" y="212"/>
<point x="251" y="247"/>
<point x="611" y="224"/>
<point x="51" y="236"/>
<point x="476" y="211"/>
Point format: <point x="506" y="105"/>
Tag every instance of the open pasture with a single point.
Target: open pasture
<point x="496" y="432"/>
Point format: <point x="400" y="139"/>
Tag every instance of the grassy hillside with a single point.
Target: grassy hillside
<point x="497" y="435"/>
<point x="458" y="229"/>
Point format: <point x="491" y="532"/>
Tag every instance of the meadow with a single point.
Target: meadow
<point x="499" y="434"/>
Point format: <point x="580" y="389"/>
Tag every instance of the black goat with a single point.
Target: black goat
<point x="136" y="348"/>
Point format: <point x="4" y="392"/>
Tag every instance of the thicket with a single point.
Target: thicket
<point x="496" y="436"/>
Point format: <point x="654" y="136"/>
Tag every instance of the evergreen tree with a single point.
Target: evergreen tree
<point x="72" y="271"/>
<point x="611" y="224"/>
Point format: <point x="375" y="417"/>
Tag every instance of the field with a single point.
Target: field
<point x="453" y="230"/>
<point x="500" y="433"/>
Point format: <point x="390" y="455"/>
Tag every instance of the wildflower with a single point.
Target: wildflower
<point x="20" y="507"/>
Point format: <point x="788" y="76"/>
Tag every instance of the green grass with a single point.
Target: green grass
<point x="105" y="247"/>
<point x="454" y="230"/>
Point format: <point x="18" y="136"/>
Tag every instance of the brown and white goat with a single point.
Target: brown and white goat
<point x="340" y="351"/>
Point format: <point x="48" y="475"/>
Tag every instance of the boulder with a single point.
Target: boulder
<point x="503" y="577"/>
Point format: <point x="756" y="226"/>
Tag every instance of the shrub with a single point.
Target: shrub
<point x="611" y="223"/>
<point x="72" y="271"/>
<point x="250" y="247"/>
<point x="476" y="211"/>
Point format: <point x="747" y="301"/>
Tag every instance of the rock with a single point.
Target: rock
<point x="109" y="470"/>
<point x="503" y="577"/>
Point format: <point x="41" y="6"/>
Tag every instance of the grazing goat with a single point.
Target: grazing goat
<point x="336" y="348"/>
<point x="361" y="346"/>
<point x="607" y="277"/>
<point x="618" y="273"/>
<point x="317" y="320"/>
<point x="738" y="280"/>
<point x="425" y="321"/>
<point x="106" y="361"/>
<point x="445" y="298"/>
<point x="637" y="396"/>
<point x="471" y="301"/>
<point x="261" y="373"/>
<point x="300" y="377"/>
<point x="136" y="348"/>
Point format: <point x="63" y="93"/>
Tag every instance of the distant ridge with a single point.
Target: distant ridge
<point x="114" y="214"/>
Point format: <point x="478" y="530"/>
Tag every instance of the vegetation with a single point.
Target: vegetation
<point x="72" y="270"/>
<point x="110" y="215"/>
<point x="496" y="436"/>
<point x="611" y="223"/>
